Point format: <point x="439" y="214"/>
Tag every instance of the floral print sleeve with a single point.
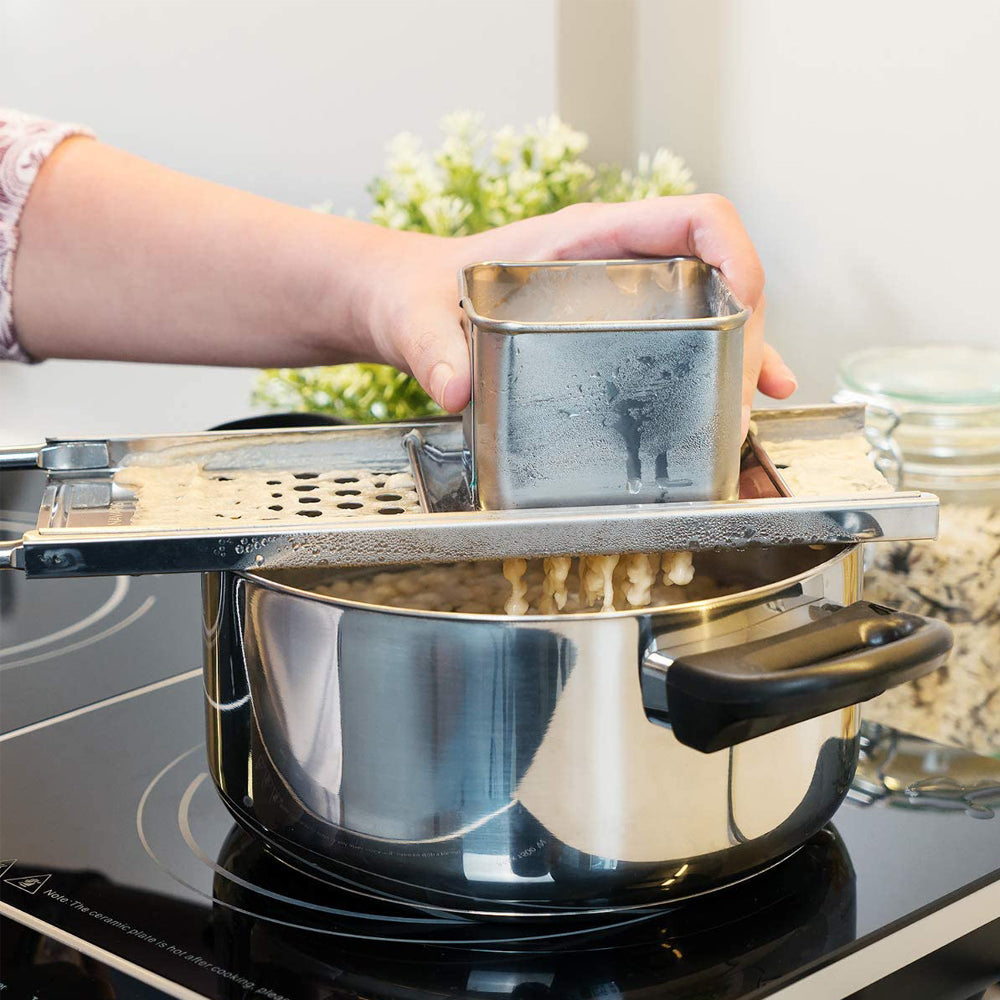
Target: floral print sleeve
<point x="25" y="142"/>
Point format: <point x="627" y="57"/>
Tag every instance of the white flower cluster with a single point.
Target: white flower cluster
<point x="475" y="180"/>
<point x="665" y="171"/>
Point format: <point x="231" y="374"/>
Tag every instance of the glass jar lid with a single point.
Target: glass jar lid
<point x="926" y="376"/>
<point x="933" y="414"/>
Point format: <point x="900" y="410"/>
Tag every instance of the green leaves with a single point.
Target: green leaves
<point x="362" y="393"/>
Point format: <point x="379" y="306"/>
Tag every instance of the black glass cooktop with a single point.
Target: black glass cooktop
<point x="123" y="876"/>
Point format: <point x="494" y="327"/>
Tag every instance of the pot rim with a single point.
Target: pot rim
<point x="726" y="601"/>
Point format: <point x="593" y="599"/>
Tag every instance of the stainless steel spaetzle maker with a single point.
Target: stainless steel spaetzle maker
<point x="602" y="382"/>
<point x="605" y="418"/>
<point x="400" y="493"/>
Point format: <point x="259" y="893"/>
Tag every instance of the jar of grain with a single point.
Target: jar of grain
<point x="933" y="417"/>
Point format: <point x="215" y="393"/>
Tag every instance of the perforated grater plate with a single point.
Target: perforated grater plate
<point x="390" y="493"/>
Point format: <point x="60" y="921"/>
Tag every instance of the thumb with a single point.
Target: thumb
<point x="434" y="348"/>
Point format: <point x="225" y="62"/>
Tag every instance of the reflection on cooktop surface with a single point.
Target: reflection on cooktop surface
<point x="722" y="944"/>
<point x="68" y="643"/>
<point x="126" y="845"/>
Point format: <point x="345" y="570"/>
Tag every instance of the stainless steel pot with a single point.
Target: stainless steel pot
<point x="549" y="764"/>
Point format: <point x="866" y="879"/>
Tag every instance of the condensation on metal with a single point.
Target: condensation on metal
<point x="603" y="382"/>
<point x="96" y="537"/>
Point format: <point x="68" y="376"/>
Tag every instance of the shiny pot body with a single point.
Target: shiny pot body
<point x="461" y="758"/>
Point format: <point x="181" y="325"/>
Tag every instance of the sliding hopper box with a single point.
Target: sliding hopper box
<point x="602" y="382"/>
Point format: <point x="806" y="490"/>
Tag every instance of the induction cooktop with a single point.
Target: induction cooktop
<point x="122" y="875"/>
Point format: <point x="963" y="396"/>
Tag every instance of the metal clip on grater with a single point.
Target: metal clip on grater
<point x="605" y="418"/>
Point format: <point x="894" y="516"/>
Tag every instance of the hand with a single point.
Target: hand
<point x="119" y="258"/>
<point x="415" y="320"/>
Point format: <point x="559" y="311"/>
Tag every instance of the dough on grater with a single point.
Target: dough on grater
<point x="190" y="496"/>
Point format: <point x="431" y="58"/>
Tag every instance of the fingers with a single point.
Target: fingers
<point x="762" y="366"/>
<point x="705" y="226"/>
<point x="708" y="227"/>
<point x="702" y="225"/>
<point x="776" y="379"/>
<point x="433" y="346"/>
<point x="717" y="236"/>
<point x="753" y="355"/>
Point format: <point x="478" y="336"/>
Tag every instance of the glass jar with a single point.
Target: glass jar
<point x="933" y="418"/>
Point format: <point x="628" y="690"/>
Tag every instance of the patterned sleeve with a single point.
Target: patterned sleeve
<point x="25" y="142"/>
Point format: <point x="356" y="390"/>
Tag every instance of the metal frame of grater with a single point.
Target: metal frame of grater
<point x="640" y="406"/>
<point x="84" y="523"/>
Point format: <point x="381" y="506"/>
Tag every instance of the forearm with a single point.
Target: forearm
<point x="120" y="258"/>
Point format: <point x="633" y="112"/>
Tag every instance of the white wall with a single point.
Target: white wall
<point x="860" y="142"/>
<point x="293" y="100"/>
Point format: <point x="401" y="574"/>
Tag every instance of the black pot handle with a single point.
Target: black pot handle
<point x="718" y="699"/>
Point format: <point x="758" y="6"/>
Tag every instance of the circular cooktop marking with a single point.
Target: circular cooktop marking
<point x="526" y="909"/>
<point x="118" y="594"/>
<point x="198" y="796"/>
<point x="180" y="803"/>
<point x="184" y="824"/>
<point x="83" y="643"/>
<point x="18" y="521"/>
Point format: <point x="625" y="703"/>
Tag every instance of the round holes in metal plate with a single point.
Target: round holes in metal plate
<point x="305" y="489"/>
<point x="346" y="479"/>
<point x="391" y="510"/>
<point x="348" y="493"/>
<point x="276" y="506"/>
<point x="349" y="505"/>
<point x="274" y="482"/>
<point x="388" y="496"/>
<point x="309" y="499"/>
<point x="307" y="475"/>
<point x="309" y="513"/>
